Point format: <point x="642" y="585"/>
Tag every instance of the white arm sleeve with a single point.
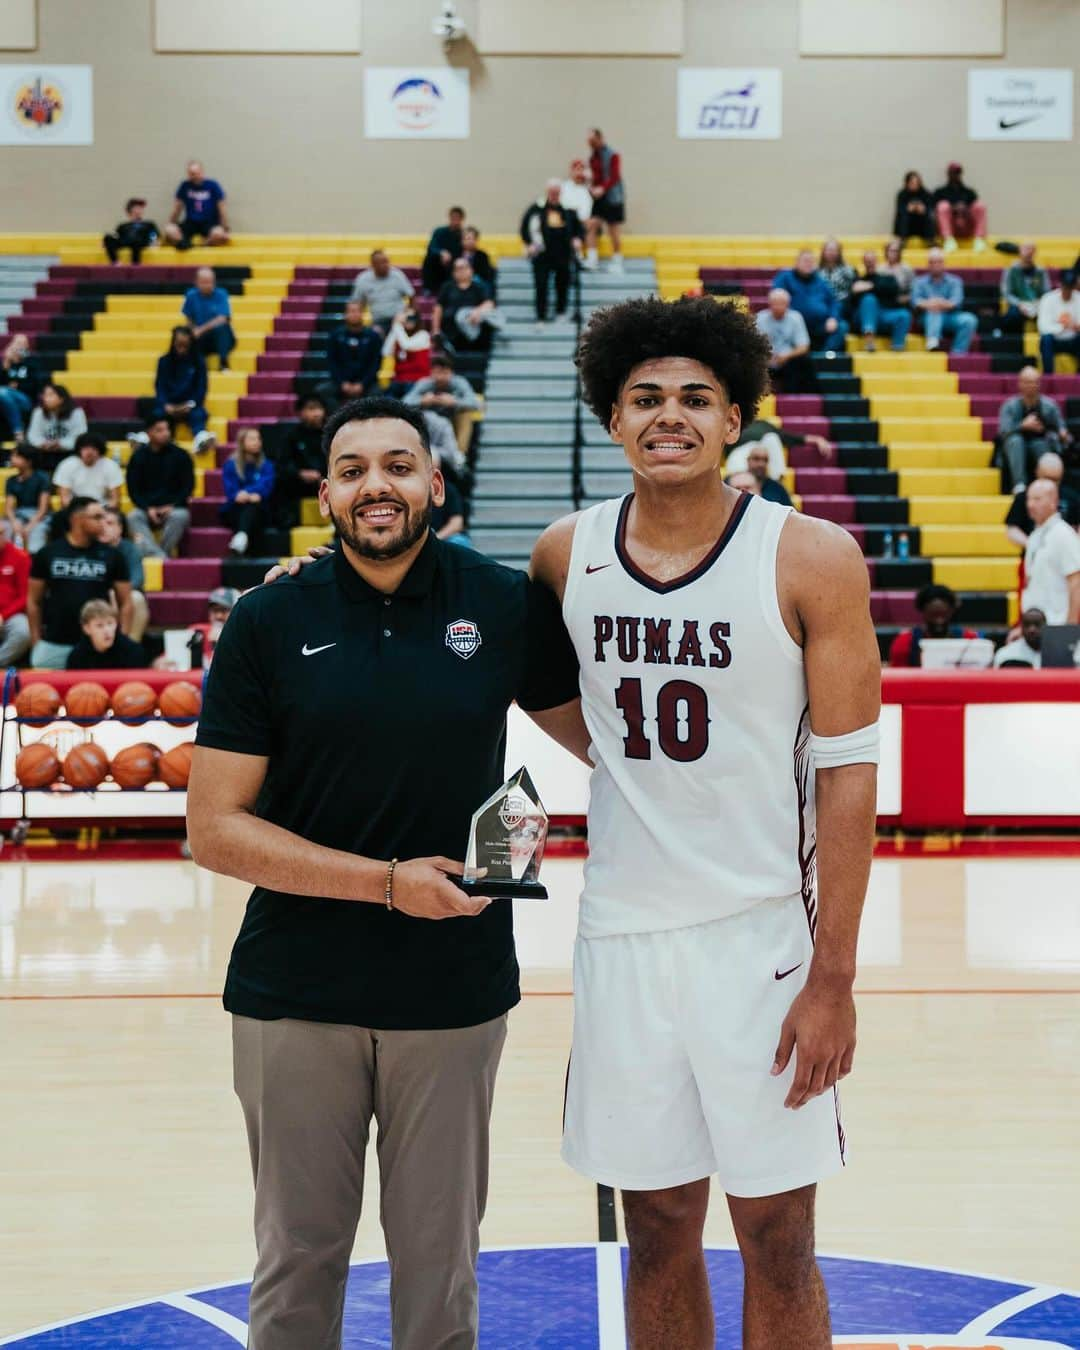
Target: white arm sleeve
<point x="854" y="747"/>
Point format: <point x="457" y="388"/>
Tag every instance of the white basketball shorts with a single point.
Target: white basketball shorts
<point x="674" y="1038"/>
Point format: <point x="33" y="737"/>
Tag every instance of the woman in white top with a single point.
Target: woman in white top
<point x="56" y="423"/>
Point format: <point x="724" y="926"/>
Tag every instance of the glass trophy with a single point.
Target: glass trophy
<point x="506" y="843"/>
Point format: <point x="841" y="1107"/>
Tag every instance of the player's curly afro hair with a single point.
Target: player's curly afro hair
<point x="720" y="336"/>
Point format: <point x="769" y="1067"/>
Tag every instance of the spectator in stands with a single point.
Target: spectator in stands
<point x="609" y="200"/>
<point x="959" y="211"/>
<point x="895" y="266"/>
<point x="180" y="387"/>
<point x="938" y="606"/>
<point x="20" y="381"/>
<point x="14" y="585"/>
<point x="134" y="233"/>
<point x="448" y="520"/>
<point x="1019" y="524"/>
<point x="789" y="366"/>
<point x="65" y="574"/>
<point x="839" y="274"/>
<point x="115" y="533"/>
<point x="1026" y="649"/>
<point x="464" y="311"/>
<point x="89" y="472"/>
<point x="1029" y="424"/>
<point x="207" y="308"/>
<point x="876" y="296"/>
<point x="383" y="290"/>
<point x="102" y="645"/>
<point x="248" y="480"/>
<point x="444" y="444"/>
<point x="1051" y="558"/>
<point x="744" y="481"/>
<point x="27" y="494"/>
<point x="448" y="395"/>
<point x="56" y="423"/>
<point x="219" y="603"/>
<point x="574" y="193"/>
<point x="914" y="217"/>
<point x="757" y="464"/>
<point x="939" y="297"/>
<point x="478" y="259"/>
<point x="409" y="343"/>
<point x="1023" y="285"/>
<point x="1059" y="321"/>
<point x="199" y="210"/>
<point x="776" y="441"/>
<point x="301" y="461"/>
<point x="813" y="298"/>
<point x="353" y="357"/>
<point x="160" y="481"/>
<point x="552" y="235"/>
<point x="444" y="246"/>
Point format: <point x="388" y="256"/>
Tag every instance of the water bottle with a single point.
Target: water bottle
<point x="887" y="545"/>
<point x="903" y="546"/>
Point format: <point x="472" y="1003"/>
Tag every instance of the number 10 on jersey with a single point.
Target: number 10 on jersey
<point x="682" y="720"/>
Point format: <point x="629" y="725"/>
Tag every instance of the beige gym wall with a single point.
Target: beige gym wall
<point x="285" y="133"/>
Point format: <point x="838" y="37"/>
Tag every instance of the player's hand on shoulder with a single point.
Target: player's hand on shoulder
<point x="294" y="566"/>
<point x="422" y="888"/>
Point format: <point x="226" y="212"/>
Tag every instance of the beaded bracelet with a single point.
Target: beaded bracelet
<point x="389" y="894"/>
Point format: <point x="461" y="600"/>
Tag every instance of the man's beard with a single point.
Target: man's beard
<point x="412" y="526"/>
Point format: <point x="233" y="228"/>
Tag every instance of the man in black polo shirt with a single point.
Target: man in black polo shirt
<point x="67" y="573"/>
<point x="321" y="759"/>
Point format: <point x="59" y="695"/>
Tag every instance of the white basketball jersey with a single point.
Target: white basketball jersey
<point x="694" y="693"/>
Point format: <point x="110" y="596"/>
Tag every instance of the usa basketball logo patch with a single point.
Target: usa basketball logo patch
<point x="463" y="637"/>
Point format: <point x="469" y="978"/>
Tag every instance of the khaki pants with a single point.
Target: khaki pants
<point x="309" y="1091"/>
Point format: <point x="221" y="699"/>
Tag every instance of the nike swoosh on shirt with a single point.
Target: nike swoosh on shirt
<point x="590" y="569"/>
<point x="1016" y="122"/>
<point x="782" y="975"/>
<point x="305" y="650"/>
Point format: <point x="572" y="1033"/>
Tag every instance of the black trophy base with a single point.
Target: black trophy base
<point x="504" y="890"/>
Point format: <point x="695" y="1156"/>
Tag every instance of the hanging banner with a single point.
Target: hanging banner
<point x="416" y="103"/>
<point x="46" y="105"/>
<point x="1020" y="105"/>
<point x="720" y="104"/>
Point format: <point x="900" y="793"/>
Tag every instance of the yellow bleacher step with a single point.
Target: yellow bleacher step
<point x="935" y="406"/>
<point x="938" y="457"/>
<point x="966" y="541"/>
<point x="310" y="515"/>
<point x="927" y="431"/>
<point x="883" y="362"/>
<point x="303" y="537"/>
<point x="976" y="574"/>
<point x="949" y="482"/>
<point x="960" y="510"/>
<point x="153" y="574"/>
<point x="925" y="383"/>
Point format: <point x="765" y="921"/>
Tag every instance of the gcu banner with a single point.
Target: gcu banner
<point x="721" y="104"/>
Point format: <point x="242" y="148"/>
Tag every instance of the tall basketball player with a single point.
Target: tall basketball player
<point x="730" y="685"/>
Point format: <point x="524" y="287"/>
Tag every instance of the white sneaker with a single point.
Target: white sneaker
<point x="239" y="542"/>
<point x="137" y="438"/>
<point x="949" y="245"/>
<point x="980" y="244"/>
<point x="205" y="440"/>
<point x="932" y="344"/>
<point x="616" y="264"/>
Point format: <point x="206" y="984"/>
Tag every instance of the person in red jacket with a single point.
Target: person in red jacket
<point x="14" y="586"/>
<point x="410" y="345"/>
<point x="938" y="606"/>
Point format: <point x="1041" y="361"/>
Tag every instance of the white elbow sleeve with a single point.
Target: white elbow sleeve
<point x="854" y="747"/>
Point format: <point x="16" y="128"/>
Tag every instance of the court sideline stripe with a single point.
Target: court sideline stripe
<point x="611" y="1317"/>
<point x="550" y="993"/>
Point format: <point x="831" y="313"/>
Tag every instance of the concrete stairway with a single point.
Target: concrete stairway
<point x="19" y="277"/>
<point x="524" y="476"/>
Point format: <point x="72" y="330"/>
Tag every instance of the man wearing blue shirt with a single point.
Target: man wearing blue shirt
<point x="199" y="210"/>
<point x="207" y="309"/>
<point x="813" y="298"/>
<point x="939" y="296"/>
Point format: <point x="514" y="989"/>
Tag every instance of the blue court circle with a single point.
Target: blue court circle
<point x="546" y="1298"/>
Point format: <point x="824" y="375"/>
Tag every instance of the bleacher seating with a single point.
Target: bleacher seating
<point x="914" y="431"/>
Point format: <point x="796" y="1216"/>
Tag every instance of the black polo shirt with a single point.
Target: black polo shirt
<point x="382" y="740"/>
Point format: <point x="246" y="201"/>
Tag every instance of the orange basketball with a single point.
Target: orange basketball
<point x="180" y="702"/>
<point x="135" y="765"/>
<point x="86" y="765"/>
<point x="175" y="765"/>
<point x="37" y="766"/>
<point x="37" y="703"/>
<point x="87" y="702"/>
<point x="134" y="700"/>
